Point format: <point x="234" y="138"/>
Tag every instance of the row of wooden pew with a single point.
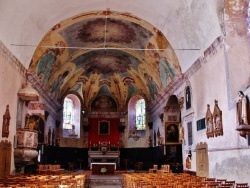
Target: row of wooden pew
<point x="73" y="180"/>
<point x="50" y="169"/>
<point x="171" y="180"/>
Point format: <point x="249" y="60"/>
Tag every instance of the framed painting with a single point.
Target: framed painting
<point x="104" y="128"/>
<point x="172" y="133"/>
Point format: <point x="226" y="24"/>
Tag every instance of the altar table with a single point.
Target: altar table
<point x="109" y="157"/>
<point x="96" y="168"/>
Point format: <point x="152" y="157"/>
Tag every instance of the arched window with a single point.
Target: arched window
<point x="136" y="114"/>
<point x="71" y="116"/>
<point x="188" y="98"/>
<point x="140" y="115"/>
<point x="68" y="113"/>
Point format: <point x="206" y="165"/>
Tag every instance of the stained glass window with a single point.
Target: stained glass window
<point x="68" y="113"/>
<point x="140" y="115"/>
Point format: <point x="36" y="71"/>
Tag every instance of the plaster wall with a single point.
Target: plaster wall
<point x="230" y="164"/>
<point x="129" y="142"/>
<point x="10" y="82"/>
<point x="228" y="154"/>
<point x="50" y="123"/>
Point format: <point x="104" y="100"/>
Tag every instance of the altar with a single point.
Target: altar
<point x="103" y="157"/>
<point x="108" y="157"/>
<point x="103" y="168"/>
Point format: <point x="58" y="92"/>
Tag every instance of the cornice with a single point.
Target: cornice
<point x="48" y="99"/>
<point x="6" y="54"/>
<point x="162" y="98"/>
<point x="209" y="52"/>
<point x="105" y="115"/>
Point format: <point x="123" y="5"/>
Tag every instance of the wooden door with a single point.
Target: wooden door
<point x="202" y="162"/>
<point x="5" y="158"/>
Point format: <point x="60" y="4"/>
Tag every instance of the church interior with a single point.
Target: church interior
<point x="146" y="88"/>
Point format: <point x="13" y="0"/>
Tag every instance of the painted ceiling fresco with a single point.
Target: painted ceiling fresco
<point x="110" y="54"/>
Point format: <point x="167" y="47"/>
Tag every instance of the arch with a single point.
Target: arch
<point x="136" y="120"/>
<point x="66" y="67"/>
<point x="36" y="122"/>
<point x="104" y="103"/>
<point x="188" y="95"/>
<point x="172" y="121"/>
<point x="71" y="116"/>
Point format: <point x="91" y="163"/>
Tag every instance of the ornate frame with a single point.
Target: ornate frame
<point x="103" y="128"/>
<point x="217" y="114"/>
<point x="209" y="123"/>
<point x="171" y="133"/>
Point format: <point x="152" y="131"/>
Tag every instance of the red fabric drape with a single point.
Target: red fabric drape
<point x="112" y="138"/>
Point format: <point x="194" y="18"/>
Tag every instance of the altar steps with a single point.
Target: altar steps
<point x="104" y="181"/>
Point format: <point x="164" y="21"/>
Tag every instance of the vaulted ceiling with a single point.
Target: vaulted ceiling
<point x="101" y="48"/>
<point x="105" y="53"/>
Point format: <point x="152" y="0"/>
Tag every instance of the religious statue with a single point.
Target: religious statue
<point x="188" y="162"/>
<point x="49" y="136"/>
<point x="6" y="123"/>
<point x="181" y="133"/>
<point x="53" y="137"/>
<point x="209" y="125"/>
<point x="154" y="138"/>
<point x="242" y="109"/>
<point x="217" y="122"/>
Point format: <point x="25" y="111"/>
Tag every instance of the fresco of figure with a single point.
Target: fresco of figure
<point x="58" y="82"/>
<point x="46" y="63"/>
<point x="167" y="73"/>
<point x="153" y="88"/>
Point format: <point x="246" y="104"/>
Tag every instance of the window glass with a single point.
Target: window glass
<point x="140" y="115"/>
<point x="68" y="113"/>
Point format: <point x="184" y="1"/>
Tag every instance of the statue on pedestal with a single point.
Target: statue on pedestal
<point x="242" y="115"/>
<point x="242" y="109"/>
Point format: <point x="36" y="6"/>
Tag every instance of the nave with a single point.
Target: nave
<point x="162" y="83"/>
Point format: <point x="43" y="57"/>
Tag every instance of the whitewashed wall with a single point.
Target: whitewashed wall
<point x="228" y="154"/>
<point x="11" y="79"/>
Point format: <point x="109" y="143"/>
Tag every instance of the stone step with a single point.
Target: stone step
<point x="111" y="181"/>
